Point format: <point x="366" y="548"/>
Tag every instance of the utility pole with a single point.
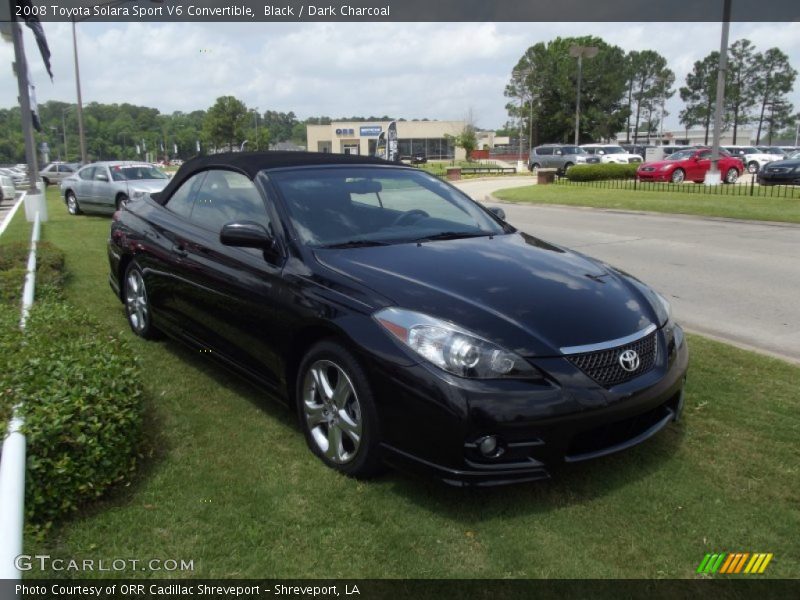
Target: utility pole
<point x="579" y="52"/>
<point x="713" y="176"/>
<point x="81" y="133"/>
<point x="21" y="68"/>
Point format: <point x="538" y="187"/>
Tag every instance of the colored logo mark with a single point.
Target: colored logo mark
<point x="735" y="562"/>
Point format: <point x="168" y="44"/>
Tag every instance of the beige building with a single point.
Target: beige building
<point x="361" y="137"/>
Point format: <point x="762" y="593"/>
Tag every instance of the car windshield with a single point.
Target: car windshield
<point x="613" y="150"/>
<point x="363" y="206"/>
<point x="136" y="172"/>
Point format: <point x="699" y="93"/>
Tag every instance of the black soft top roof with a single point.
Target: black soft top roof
<point x="250" y="163"/>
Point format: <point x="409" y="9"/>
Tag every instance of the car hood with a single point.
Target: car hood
<point x="529" y="296"/>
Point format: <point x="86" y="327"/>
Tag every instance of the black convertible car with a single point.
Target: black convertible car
<point x="406" y="323"/>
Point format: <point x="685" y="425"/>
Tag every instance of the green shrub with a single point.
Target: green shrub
<point x="82" y="402"/>
<point x="602" y="172"/>
<point x="50" y="272"/>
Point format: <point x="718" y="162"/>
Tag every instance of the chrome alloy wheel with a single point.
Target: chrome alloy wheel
<point x="136" y="301"/>
<point x="72" y="204"/>
<point x="332" y="411"/>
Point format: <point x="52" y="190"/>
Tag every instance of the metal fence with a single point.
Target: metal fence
<point x="735" y="189"/>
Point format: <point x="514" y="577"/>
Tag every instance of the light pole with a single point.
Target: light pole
<point x="580" y="52"/>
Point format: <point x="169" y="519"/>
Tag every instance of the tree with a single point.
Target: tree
<point x="542" y="91"/>
<point x="774" y="81"/>
<point x="468" y="136"/>
<point x="225" y="122"/>
<point x="649" y="86"/>
<point x="742" y="75"/>
<point x="700" y="93"/>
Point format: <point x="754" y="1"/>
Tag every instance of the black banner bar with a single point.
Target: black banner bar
<point x="416" y="589"/>
<point x="408" y="10"/>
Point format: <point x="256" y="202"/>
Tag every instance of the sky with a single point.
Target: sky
<point x="406" y="70"/>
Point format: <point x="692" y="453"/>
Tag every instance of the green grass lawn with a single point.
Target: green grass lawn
<point x="712" y="205"/>
<point x="230" y="485"/>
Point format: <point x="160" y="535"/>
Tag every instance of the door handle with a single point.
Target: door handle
<point x="180" y="250"/>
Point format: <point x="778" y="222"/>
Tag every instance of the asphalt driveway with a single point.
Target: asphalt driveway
<point x="738" y="281"/>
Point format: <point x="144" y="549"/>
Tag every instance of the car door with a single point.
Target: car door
<point x="103" y="190"/>
<point x="83" y="186"/>
<point x="229" y="292"/>
<point x="700" y="165"/>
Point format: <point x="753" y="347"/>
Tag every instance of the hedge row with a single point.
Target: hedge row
<point x="601" y="172"/>
<point x="50" y="273"/>
<point x="80" y="394"/>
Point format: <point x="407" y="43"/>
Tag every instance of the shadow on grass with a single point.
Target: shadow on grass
<point x="569" y="484"/>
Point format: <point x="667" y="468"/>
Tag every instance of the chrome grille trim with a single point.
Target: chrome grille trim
<point x="608" y="345"/>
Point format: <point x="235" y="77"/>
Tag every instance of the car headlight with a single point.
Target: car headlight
<point x="138" y="194"/>
<point x="451" y="348"/>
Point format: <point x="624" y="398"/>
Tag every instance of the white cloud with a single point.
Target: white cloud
<point x="411" y="70"/>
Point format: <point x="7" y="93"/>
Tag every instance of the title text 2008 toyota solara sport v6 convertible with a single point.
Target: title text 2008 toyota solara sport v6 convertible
<point x="406" y="323"/>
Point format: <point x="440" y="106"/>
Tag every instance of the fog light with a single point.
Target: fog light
<point x="488" y="445"/>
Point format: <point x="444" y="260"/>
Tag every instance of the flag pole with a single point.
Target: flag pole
<point x="21" y="68"/>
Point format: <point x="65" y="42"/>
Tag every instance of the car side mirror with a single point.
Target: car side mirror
<point x="246" y="234"/>
<point x="101" y="177"/>
<point x="498" y="212"/>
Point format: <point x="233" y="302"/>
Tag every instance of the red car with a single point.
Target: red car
<point x="690" y="165"/>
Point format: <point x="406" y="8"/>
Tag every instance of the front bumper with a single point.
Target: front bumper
<point x="539" y="425"/>
<point x="654" y="176"/>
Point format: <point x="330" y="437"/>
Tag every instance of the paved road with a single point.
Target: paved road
<point x="734" y="280"/>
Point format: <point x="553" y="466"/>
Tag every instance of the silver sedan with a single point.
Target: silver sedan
<point x="103" y="187"/>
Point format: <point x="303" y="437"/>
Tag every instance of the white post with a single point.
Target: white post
<point x="12" y="460"/>
<point x="12" y="499"/>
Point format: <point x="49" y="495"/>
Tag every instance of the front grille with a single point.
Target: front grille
<point x="779" y="170"/>
<point x="604" y="366"/>
<point x="648" y="169"/>
<point x="634" y="160"/>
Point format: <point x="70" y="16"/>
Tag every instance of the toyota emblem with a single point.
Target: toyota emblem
<point x="629" y="360"/>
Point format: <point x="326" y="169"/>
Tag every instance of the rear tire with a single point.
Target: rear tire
<point x="731" y="175"/>
<point x="137" y="302"/>
<point x="337" y="412"/>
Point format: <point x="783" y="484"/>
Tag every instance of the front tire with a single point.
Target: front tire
<point x="678" y="176"/>
<point x="337" y="412"/>
<point x="137" y="303"/>
<point x="73" y="207"/>
<point x="752" y="167"/>
<point x="122" y="199"/>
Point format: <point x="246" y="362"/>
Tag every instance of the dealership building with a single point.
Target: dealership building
<point x="434" y="138"/>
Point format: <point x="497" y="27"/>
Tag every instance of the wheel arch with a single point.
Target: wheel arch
<point x="301" y="342"/>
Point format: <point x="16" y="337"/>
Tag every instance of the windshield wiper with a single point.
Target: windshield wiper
<point x="452" y="235"/>
<point x="357" y="244"/>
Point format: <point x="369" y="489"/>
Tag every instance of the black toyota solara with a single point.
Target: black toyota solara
<point x="405" y="323"/>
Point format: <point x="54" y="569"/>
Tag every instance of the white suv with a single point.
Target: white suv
<point x="611" y="153"/>
<point x="752" y="157"/>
